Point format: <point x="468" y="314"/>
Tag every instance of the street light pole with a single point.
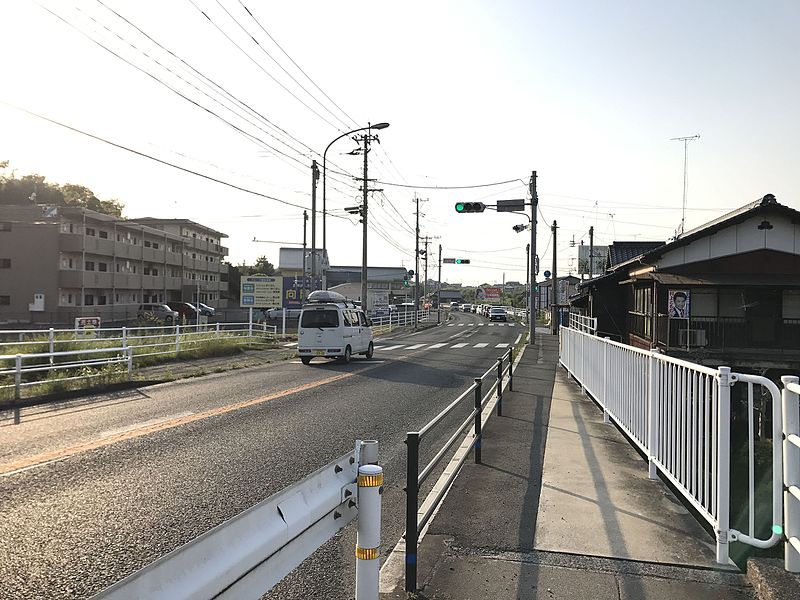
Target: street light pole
<point x="364" y="273"/>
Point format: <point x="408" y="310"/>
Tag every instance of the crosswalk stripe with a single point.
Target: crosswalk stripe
<point x="461" y="324"/>
<point x="434" y="346"/>
<point x="491" y="324"/>
<point x="451" y="324"/>
<point x="501" y="346"/>
<point x="415" y="346"/>
<point x="481" y="324"/>
<point x="510" y="324"/>
<point x="481" y="345"/>
<point x="392" y="347"/>
<point x="458" y="345"/>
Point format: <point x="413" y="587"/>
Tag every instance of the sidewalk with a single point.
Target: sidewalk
<point x="561" y="507"/>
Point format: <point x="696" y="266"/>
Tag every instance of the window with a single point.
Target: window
<point x="101" y="300"/>
<point x="5" y="263"/>
<point x="70" y="263"/>
<point x="155" y="271"/>
<point x="703" y="303"/>
<point x="102" y="267"/>
<point x="118" y="267"/>
<point x="156" y="245"/>
<point x="146" y="270"/>
<point x="88" y="265"/>
<point x="88" y="300"/>
<point x="104" y="235"/>
<point x="731" y="303"/>
<point x="90" y="231"/>
<point x="147" y="244"/>
<point x="116" y="298"/>
<point x="133" y="268"/>
<point x="791" y="304"/>
<point x="5" y="226"/>
<point x="5" y="300"/>
<point x="320" y="318"/>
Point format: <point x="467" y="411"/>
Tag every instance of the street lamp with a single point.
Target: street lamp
<point x="365" y="190"/>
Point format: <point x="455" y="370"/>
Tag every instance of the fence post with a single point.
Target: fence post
<point x="368" y="536"/>
<point x="52" y="337"/>
<point x="652" y="410"/>
<point x="723" y="464"/>
<point x="130" y="361"/>
<point x="17" y="385"/>
<point x="412" y="498"/>
<point x="217" y="332"/>
<point x="510" y="371"/>
<point x="500" y="386"/>
<point x="124" y="337"/>
<point x="284" y="323"/>
<point x="177" y="339"/>
<point x="250" y="324"/>
<point x="478" y="397"/>
<point x="791" y="473"/>
<point x="606" y="377"/>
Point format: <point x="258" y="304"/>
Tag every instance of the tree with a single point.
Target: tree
<point x="262" y="267"/>
<point x="33" y="189"/>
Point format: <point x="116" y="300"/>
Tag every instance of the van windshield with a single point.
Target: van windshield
<point x="320" y="318"/>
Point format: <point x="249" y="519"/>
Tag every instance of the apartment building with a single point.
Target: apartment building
<point x="59" y="263"/>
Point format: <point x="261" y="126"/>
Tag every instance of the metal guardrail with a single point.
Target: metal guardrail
<point x="415" y="478"/>
<point x="246" y="556"/>
<point x="398" y="319"/>
<point x="678" y="414"/>
<point x="791" y="471"/>
<point x="583" y="323"/>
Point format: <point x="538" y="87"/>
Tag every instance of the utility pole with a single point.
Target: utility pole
<point x="366" y="138"/>
<point x="314" y="178"/>
<point x="425" y="254"/>
<point x="439" y="290"/>
<point x="305" y="270"/>
<point x="554" y="283"/>
<point x="528" y="281"/>
<point x="416" y="267"/>
<point x="591" y="251"/>
<point x="532" y="263"/>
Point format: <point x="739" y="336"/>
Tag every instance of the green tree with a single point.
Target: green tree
<point x="262" y="267"/>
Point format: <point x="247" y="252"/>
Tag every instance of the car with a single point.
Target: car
<point x="277" y="313"/>
<point x="454" y="306"/>
<point x="159" y="311"/>
<point x="333" y="327"/>
<point x="206" y="310"/>
<point x="186" y="311"/>
<point x="498" y="313"/>
<point x="466" y="308"/>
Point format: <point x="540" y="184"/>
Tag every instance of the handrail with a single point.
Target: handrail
<point x="435" y="421"/>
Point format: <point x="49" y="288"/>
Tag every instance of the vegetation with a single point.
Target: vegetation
<point x="33" y="189"/>
<point x="262" y="266"/>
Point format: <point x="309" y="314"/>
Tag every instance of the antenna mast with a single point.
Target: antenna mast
<point x="685" y="141"/>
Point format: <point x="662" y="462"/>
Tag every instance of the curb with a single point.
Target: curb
<point x="771" y="581"/>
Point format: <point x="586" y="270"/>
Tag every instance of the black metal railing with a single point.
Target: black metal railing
<point x="415" y="478"/>
<point x="726" y="333"/>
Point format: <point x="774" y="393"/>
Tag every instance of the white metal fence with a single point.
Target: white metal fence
<point x="583" y="323"/>
<point x="400" y="319"/>
<point x="791" y="471"/>
<point x="679" y="415"/>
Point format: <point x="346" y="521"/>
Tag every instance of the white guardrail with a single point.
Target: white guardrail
<point x="244" y="557"/>
<point x="678" y="414"/>
<point x="400" y="319"/>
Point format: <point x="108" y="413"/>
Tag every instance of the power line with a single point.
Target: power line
<point x="448" y="187"/>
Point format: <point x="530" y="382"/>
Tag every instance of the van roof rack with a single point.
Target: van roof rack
<point x="328" y="297"/>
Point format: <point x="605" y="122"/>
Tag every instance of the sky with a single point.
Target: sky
<point x="587" y="94"/>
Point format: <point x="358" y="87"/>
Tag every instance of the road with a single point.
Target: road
<point x="94" y="491"/>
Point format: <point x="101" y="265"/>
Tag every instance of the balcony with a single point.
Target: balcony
<point x="70" y="242"/>
<point x="729" y="333"/>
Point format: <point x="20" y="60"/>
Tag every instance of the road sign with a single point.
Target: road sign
<point x="547" y="273"/>
<point x="260" y="291"/>
<point x="449" y="261"/>
<point x="470" y="207"/>
<point x="492" y="293"/>
<point x="510" y="205"/>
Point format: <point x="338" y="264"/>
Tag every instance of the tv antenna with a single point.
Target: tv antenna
<point x="685" y="141"/>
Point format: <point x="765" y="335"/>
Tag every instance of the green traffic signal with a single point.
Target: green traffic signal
<point x="470" y="207"/>
<point x="459" y="207"/>
<point x="458" y="261"/>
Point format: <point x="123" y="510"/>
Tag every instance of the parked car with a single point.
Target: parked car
<point x="206" y="310"/>
<point x="498" y="313"/>
<point x="186" y="311"/>
<point x="277" y="313"/>
<point x="158" y="311"/>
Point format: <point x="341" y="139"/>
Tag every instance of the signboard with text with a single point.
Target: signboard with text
<point x="260" y="291"/>
<point x="490" y="294"/>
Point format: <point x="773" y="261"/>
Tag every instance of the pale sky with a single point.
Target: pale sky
<point x="586" y="93"/>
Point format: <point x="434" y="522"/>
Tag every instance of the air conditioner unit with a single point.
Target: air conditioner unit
<point x="692" y="337"/>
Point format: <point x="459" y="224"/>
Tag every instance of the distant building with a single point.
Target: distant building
<point x="727" y="292"/>
<point x="58" y="263"/>
<point x="389" y="279"/>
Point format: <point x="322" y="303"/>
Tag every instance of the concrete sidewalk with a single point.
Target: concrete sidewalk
<point x="561" y="507"/>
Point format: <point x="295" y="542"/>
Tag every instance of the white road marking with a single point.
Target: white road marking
<point x="501" y="346"/>
<point x="458" y="345"/>
<point x="451" y="324"/>
<point x="511" y="324"/>
<point x="290" y="345"/>
<point x="434" y="346"/>
<point x="415" y="346"/>
<point x="392" y="347"/>
<point x="481" y="324"/>
<point x="461" y="324"/>
<point x="491" y="324"/>
<point x="481" y="345"/>
<point x="516" y="341"/>
<point x="141" y="424"/>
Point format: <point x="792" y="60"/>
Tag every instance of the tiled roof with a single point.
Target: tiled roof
<point x="619" y="252"/>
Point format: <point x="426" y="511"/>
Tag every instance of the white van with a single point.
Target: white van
<point x="333" y="327"/>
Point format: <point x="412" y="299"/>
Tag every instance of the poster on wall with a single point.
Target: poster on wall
<point x="678" y="305"/>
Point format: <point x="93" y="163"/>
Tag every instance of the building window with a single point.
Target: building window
<point x="155" y="272"/>
<point x="5" y="263"/>
<point x="5" y="226"/>
<point x="5" y="300"/>
<point x="133" y="268"/>
<point x="118" y="267"/>
<point x="102" y="267"/>
<point x="156" y="246"/>
<point x="88" y="265"/>
<point x="146" y="270"/>
<point x="101" y="300"/>
<point x="116" y="298"/>
<point x="90" y="231"/>
<point x="88" y="300"/>
<point x="104" y="235"/>
<point x="147" y="244"/>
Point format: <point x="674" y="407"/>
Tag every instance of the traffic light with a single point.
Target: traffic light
<point x="462" y="261"/>
<point x="470" y="207"/>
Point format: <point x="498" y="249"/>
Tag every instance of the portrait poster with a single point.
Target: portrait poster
<point x="678" y="304"/>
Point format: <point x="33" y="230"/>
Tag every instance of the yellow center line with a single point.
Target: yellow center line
<point x="62" y="453"/>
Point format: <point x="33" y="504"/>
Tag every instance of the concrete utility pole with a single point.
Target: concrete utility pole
<point x="416" y="267"/>
<point x="439" y="290"/>
<point x="532" y="262"/>
<point x="528" y="281"/>
<point x="314" y="178"/>
<point x="554" y="282"/>
<point x="305" y="270"/>
<point x="425" y="281"/>
<point x="591" y="251"/>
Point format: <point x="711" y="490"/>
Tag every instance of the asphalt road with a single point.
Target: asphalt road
<point x="94" y="491"/>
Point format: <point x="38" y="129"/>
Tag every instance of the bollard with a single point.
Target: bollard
<point x="500" y="386"/>
<point x="368" y="536"/>
<point x="217" y="334"/>
<point x="52" y="338"/>
<point x="510" y="371"/>
<point x="17" y="386"/>
<point x="284" y="323"/>
<point x="412" y="498"/>
<point x="478" y="397"/>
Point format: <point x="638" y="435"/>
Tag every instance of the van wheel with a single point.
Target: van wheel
<point x="306" y="360"/>
<point x="347" y="353"/>
<point x="370" y="351"/>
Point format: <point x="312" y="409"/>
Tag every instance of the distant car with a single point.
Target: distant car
<point x="185" y="310"/>
<point x="206" y="310"/>
<point x="498" y="313"/>
<point x="466" y="308"/>
<point x="159" y="311"/>
<point x="277" y="313"/>
<point x="454" y="306"/>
